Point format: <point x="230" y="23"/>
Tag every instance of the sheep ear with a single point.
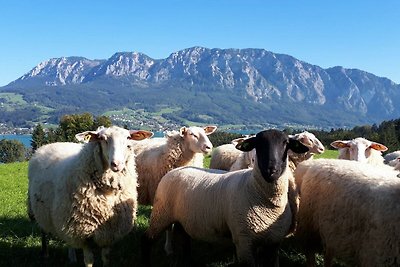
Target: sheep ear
<point x="296" y="146"/>
<point x="237" y="141"/>
<point x="140" y="134"/>
<point x="210" y="129"/>
<point x="88" y="136"/>
<point x="378" y="147"/>
<point x="247" y="145"/>
<point x="183" y="131"/>
<point x="305" y="141"/>
<point x="340" y="144"/>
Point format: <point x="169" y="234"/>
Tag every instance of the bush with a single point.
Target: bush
<point x="11" y="151"/>
<point x="221" y="138"/>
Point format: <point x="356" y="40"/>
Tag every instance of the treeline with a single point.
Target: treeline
<point x="387" y="133"/>
<point x="68" y="127"/>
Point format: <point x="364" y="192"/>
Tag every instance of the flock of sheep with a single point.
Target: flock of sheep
<point x="258" y="190"/>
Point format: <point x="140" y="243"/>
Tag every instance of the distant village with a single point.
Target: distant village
<point x="6" y="129"/>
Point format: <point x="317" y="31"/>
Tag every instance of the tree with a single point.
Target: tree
<point x="11" y="151"/>
<point x="38" y="137"/>
<point x="102" y="121"/>
<point x="70" y="125"/>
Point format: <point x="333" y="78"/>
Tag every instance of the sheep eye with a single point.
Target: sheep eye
<point x="285" y="142"/>
<point x="195" y="136"/>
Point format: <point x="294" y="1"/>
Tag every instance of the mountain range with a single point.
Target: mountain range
<point x="247" y="87"/>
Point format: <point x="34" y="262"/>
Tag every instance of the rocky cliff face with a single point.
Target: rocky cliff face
<point x="256" y="75"/>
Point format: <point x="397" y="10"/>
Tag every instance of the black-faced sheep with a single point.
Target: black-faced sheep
<point x="360" y="149"/>
<point x="247" y="207"/>
<point x="85" y="194"/>
<point x="155" y="157"/>
<point x="350" y="210"/>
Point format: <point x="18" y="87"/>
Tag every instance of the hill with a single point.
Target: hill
<point x="248" y="87"/>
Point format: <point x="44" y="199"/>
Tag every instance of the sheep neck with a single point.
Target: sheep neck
<point x="274" y="193"/>
<point x="297" y="158"/>
<point x="178" y="154"/>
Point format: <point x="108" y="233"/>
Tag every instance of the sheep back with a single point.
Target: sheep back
<point x="155" y="157"/>
<point x="224" y="156"/>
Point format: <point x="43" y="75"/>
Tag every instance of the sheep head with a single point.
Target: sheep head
<point x="271" y="152"/>
<point x="358" y="149"/>
<point x="196" y="138"/>
<point x="115" y="143"/>
<point x="309" y="140"/>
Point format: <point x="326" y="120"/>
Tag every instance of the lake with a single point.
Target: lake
<point x="27" y="138"/>
<point x="23" y="138"/>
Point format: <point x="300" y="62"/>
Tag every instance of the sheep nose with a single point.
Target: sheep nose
<point x="116" y="165"/>
<point x="272" y="170"/>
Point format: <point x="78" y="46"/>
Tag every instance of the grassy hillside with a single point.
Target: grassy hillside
<point x="20" y="239"/>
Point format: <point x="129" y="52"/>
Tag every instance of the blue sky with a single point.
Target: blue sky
<point x="353" y="34"/>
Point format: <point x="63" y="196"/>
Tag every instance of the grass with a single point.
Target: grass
<point x="328" y="154"/>
<point x="20" y="239"/>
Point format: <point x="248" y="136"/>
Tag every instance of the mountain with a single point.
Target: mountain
<point x="250" y="87"/>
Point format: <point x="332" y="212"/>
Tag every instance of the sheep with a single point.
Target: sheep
<point x="391" y="159"/>
<point x="309" y="140"/>
<point x="85" y="194"/>
<point x="247" y="207"/>
<point x="350" y="209"/>
<point x="245" y="159"/>
<point x="155" y="158"/>
<point x="360" y="149"/>
<point x="227" y="157"/>
<point x="224" y="156"/>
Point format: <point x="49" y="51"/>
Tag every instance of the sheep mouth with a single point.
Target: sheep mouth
<point x="206" y="151"/>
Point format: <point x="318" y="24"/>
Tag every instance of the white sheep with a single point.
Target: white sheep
<point x="155" y="157"/>
<point x="247" y="207"/>
<point x="85" y="194"/>
<point x="309" y="140"/>
<point x="391" y="159"/>
<point x="245" y="159"/>
<point x="350" y="210"/>
<point x="360" y="149"/>
<point x="227" y="157"/>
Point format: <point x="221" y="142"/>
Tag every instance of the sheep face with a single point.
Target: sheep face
<point x="309" y="140"/>
<point x="358" y="149"/>
<point x="271" y="152"/>
<point x="197" y="139"/>
<point x="115" y="144"/>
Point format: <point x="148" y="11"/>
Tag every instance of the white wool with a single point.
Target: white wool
<point x="155" y="157"/>
<point x="351" y="208"/>
<point x="75" y="196"/>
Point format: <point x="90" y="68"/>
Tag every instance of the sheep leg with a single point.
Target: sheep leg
<point x="267" y="255"/>
<point x="146" y="244"/>
<point x="72" y="255"/>
<point x="168" y="242"/>
<point x="181" y="246"/>
<point x="45" y="247"/>
<point x="328" y="258"/>
<point x="105" y="256"/>
<point x="88" y="257"/>
<point x="310" y="258"/>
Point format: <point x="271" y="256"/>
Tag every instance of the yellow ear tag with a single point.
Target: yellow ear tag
<point x="87" y="138"/>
